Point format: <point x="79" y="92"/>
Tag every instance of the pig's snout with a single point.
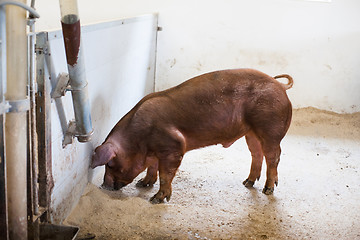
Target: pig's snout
<point x="113" y="187"/>
<point x="111" y="184"/>
<point x="118" y="185"/>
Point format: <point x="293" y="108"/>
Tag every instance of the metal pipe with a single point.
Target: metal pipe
<point x="3" y="56"/>
<point x="32" y="117"/>
<point x="22" y="5"/>
<point x="16" y="122"/>
<point x="75" y="61"/>
<point x="4" y="106"/>
<point x="4" y="234"/>
<point x="32" y="5"/>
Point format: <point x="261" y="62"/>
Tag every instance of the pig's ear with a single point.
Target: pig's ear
<point x="103" y="154"/>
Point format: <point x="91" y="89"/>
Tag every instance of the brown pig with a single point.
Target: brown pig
<point x="214" y="108"/>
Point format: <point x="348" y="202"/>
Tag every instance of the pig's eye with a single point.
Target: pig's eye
<point x="111" y="164"/>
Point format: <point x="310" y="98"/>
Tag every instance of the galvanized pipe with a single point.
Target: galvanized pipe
<point x="32" y="117"/>
<point x="75" y="61"/>
<point x="3" y="57"/>
<point x="4" y="234"/>
<point x="16" y="122"/>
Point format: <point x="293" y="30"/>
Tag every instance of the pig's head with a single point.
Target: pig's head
<point x="120" y="167"/>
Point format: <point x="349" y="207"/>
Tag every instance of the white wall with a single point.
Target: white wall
<point x="117" y="79"/>
<point x="316" y="42"/>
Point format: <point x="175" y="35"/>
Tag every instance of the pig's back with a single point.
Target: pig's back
<point x="212" y="108"/>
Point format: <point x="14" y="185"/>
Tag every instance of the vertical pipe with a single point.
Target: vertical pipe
<point x="75" y="60"/>
<point x="32" y="118"/>
<point x="4" y="234"/>
<point x="3" y="53"/>
<point x="33" y="193"/>
<point x="3" y="193"/>
<point x="15" y="123"/>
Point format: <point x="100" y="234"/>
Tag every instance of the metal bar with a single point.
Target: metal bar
<point x="75" y="60"/>
<point x="33" y="193"/>
<point x="43" y="116"/>
<point x="4" y="226"/>
<point x="4" y="234"/>
<point x="58" y="101"/>
<point x="2" y="54"/>
<point x="32" y="115"/>
<point x="28" y="183"/>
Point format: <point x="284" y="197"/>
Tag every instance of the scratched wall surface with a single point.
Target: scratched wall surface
<point x="120" y="69"/>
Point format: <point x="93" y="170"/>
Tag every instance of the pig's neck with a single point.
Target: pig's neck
<point x="130" y="134"/>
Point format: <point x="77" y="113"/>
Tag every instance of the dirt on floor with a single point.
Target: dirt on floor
<point x="318" y="196"/>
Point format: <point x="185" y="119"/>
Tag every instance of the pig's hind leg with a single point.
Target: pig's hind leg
<point x="272" y="153"/>
<point x="257" y="155"/>
<point x="151" y="176"/>
<point x="262" y="144"/>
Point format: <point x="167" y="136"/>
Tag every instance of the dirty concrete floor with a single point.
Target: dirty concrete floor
<point x="318" y="196"/>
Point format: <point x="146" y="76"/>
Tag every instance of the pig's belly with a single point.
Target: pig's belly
<point x="226" y="138"/>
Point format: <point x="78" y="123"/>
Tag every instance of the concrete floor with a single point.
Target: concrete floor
<point x="318" y="196"/>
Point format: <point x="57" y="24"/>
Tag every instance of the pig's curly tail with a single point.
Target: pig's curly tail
<point x="290" y="81"/>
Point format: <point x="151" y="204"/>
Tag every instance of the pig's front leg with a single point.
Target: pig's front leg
<point x="151" y="176"/>
<point x="167" y="170"/>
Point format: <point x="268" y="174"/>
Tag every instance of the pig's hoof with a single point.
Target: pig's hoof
<point x="247" y="183"/>
<point x="268" y="191"/>
<point x="155" y="200"/>
<point x="144" y="184"/>
<point x="159" y="197"/>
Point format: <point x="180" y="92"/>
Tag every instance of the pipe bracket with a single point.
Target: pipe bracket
<point x="15" y="106"/>
<point x="69" y="135"/>
<point x="76" y="89"/>
<point x="41" y="50"/>
<point x="19" y="105"/>
<point x="61" y="85"/>
<point x="4" y="107"/>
